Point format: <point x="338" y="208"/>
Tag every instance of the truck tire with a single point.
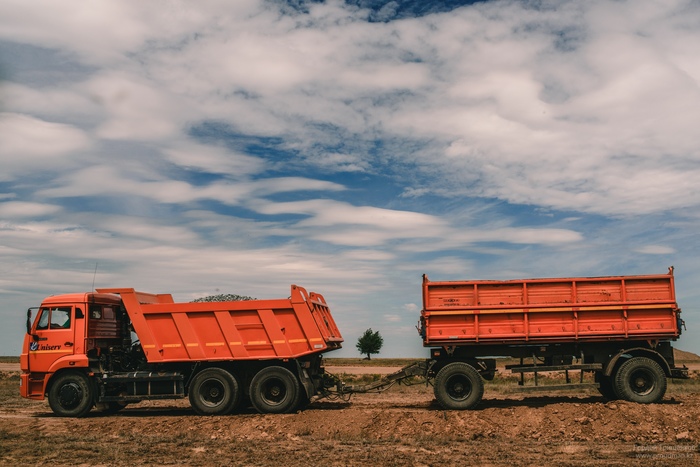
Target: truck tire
<point x="458" y="386"/>
<point x="605" y="387"/>
<point x="275" y="390"/>
<point x="71" y="395"/>
<point x="111" y="407"/>
<point x="214" y="391"/>
<point x="640" y="379"/>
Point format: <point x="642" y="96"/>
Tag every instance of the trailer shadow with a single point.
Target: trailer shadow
<point x="543" y="401"/>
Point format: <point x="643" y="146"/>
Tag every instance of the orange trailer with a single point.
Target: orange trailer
<point x="619" y="328"/>
<point x="550" y="310"/>
<point x="119" y="346"/>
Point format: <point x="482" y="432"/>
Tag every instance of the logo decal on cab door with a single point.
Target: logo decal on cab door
<point x="35" y="347"/>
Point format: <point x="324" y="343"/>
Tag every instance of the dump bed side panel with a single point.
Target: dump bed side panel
<point x="550" y="310"/>
<point x="243" y="330"/>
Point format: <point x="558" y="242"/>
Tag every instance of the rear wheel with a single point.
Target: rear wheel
<point x="605" y="386"/>
<point x="111" y="407"/>
<point x="458" y="386"/>
<point x="214" y="391"/>
<point x="640" y="379"/>
<point x="304" y="400"/>
<point x="71" y="395"/>
<point x="275" y="389"/>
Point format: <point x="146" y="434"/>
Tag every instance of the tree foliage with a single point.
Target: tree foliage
<point x="370" y="342"/>
<point x="224" y="297"/>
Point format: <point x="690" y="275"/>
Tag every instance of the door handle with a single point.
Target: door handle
<point x="68" y="344"/>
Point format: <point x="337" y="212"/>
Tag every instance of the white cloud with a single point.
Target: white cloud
<point x="110" y="181"/>
<point x="362" y="226"/>
<point x="30" y="143"/>
<point x="656" y="250"/>
<point x="21" y="209"/>
<point x="134" y="108"/>
<point x="67" y="103"/>
<point x="213" y="159"/>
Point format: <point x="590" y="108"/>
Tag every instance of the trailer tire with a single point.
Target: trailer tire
<point x="458" y="386"/>
<point x="275" y="390"/>
<point x="71" y="395"/>
<point x="214" y="391"/>
<point x="641" y="380"/>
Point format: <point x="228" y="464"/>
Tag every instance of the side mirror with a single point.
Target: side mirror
<point x="29" y="321"/>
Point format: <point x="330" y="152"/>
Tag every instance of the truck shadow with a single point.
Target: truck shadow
<point x="431" y="406"/>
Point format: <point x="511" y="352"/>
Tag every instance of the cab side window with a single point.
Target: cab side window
<point x="54" y="318"/>
<point x="60" y="318"/>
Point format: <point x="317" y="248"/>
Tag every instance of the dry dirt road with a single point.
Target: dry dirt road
<point x="402" y="426"/>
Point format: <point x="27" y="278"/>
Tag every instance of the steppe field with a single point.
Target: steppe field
<point x="401" y="426"/>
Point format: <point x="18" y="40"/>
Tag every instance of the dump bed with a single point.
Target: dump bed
<point x="550" y="310"/>
<point x="243" y="330"/>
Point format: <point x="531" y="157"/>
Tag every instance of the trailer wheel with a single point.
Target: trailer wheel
<point x="458" y="386"/>
<point x="605" y="387"/>
<point x="275" y="390"/>
<point x="214" y="391"/>
<point x="641" y="380"/>
<point x="71" y="395"/>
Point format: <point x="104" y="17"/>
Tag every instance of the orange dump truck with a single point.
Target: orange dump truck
<point x="119" y="346"/>
<point x="617" y="328"/>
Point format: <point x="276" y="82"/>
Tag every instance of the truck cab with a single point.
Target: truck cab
<point x="67" y="332"/>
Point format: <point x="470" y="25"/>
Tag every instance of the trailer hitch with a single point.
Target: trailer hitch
<point x="414" y="369"/>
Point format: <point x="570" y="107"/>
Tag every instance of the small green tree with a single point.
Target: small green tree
<point x="369" y="343"/>
<point x="226" y="297"/>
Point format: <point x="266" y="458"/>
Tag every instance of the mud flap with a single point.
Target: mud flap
<point x="306" y="381"/>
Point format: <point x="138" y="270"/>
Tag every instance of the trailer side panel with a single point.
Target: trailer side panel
<point x="550" y="310"/>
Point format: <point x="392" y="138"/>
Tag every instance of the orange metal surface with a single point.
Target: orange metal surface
<point x="550" y="310"/>
<point x="243" y="330"/>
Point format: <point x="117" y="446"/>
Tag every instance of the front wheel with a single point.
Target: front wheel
<point x="458" y="386"/>
<point x="214" y="391"/>
<point x="641" y="380"/>
<point x="275" y="389"/>
<point x="71" y="395"/>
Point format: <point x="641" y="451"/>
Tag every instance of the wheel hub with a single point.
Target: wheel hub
<point x="70" y="395"/>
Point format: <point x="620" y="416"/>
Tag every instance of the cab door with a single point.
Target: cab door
<point x="53" y="336"/>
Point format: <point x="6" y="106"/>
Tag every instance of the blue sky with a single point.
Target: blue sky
<point x="347" y="147"/>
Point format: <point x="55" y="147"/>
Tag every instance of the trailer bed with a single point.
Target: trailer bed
<point x="550" y="310"/>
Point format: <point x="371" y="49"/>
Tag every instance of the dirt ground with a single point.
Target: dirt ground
<point x="403" y="426"/>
